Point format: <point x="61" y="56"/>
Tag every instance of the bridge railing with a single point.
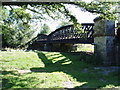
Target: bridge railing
<point x="69" y="34"/>
<point x="42" y="38"/>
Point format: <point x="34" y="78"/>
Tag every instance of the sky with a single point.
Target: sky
<point x="82" y="17"/>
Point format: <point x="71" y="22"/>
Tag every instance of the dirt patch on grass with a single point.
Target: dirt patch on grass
<point x="24" y="71"/>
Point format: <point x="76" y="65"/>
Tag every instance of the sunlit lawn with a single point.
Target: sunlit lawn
<point x="52" y="70"/>
<point x="85" y="48"/>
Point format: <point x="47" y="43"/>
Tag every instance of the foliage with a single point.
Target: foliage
<point x="16" y="21"/>
<point x="107" y="10"/>
<point x="15" y="27"/>
<point x="45" y="29"/>
<point x="79" y="28"/>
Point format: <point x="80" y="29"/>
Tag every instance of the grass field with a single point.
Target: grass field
<point x="52" y="70"/>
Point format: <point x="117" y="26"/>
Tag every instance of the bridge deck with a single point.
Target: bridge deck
<point x="69" y="34"/>
<point x="84" y="41"/>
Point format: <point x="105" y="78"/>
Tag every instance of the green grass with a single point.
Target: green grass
<point x="85" y="48"/>
<point x="52" y="70"/>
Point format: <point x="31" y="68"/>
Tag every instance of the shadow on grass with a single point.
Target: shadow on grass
<point x="71" y="65"/>
<point x="14" y="80"/>
<point x="6" y="82"/>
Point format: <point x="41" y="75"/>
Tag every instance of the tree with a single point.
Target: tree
<point x="15" y="27"/>
<point x="103" y="7"/>
<point x="17" y="20"/>
<point x="45" y="29"/>
<point x="107" y="10"/>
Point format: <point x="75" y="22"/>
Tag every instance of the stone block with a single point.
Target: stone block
<point x="104" y="35"/>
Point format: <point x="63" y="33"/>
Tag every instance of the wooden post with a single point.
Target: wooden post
<point x="104" y="35"/>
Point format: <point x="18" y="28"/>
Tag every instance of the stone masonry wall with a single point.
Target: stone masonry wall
<point x="117" y="54"/>
<point x="104" y="35"/>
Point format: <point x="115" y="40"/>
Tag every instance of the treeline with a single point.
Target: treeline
<point x="18" y="23"/>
